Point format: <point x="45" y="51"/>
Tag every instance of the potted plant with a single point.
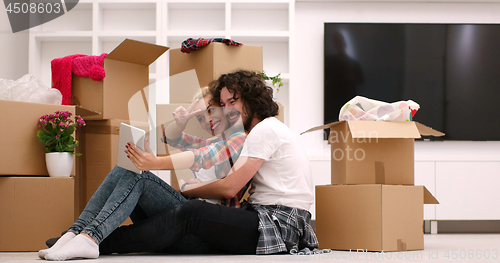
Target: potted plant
<point x="276" y="81"/>
<point x="56" y="132"/>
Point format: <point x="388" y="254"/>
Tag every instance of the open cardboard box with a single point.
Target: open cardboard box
<point x="210" y="62"/>
<point x="34" y="209"/>
<point x="374" y="152"/>
<point x="127" y="72"/>
<point x="371" y="217"/>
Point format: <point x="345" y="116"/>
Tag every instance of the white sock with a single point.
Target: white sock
<point x="79" y="247"/>
<point x="60" y="242"/>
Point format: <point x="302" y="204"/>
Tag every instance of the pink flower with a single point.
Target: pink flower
<point x="55" y="125"/>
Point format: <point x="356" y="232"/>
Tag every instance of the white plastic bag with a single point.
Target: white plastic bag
<point x="361" y="108"/>
<point x="30" y="89"/>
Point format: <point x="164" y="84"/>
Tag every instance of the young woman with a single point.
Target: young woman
<point x="124" y="193"/>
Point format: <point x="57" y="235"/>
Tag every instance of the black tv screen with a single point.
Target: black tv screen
<point x="451" y="70"/>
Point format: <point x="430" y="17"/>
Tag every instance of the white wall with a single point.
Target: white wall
<point x="13" y="49"/>
<point x="306" y="91"/>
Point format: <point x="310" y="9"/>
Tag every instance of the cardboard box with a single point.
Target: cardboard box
<point x="127" y="72"/>
<point x="34" y="209"/>
<point x="183" y="87"/>
<point x="371" y="217"/>
<point x="23" y="153"/>
<point x="210" y="62"/>
<point x="374" y="152"/>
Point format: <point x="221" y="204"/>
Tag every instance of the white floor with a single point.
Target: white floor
<point x="438" y="248"/>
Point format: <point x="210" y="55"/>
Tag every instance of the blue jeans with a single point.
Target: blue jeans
<point x="117" y="198"/>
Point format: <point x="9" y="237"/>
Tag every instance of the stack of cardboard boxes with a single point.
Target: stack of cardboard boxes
<point x="372" y="203"/>
<point x="34" y="206"/>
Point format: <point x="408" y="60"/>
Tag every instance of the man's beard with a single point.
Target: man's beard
<point x="247" y="120"/>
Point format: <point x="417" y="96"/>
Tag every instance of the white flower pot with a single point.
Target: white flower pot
<point x="59" y="164"/>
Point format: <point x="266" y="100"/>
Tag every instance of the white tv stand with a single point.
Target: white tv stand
<point x="463" y="176"/>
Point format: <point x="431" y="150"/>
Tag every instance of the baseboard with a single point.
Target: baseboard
<point x="464" y="226"/>
<point x="457" y="226"/>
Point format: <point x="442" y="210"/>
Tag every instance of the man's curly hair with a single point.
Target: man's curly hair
<point x="257" y="98"/>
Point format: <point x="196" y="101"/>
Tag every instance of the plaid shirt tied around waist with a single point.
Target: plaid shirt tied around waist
<point x="284" y="229"/>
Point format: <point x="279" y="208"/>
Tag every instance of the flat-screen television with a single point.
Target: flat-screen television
<point x="451" y="70"/>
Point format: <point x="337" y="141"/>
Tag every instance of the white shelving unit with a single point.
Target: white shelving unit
<point x="98" y="26"/>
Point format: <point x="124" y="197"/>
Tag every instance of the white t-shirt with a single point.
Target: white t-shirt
<point x="208" y="175"/>
<point x="284" y="177"/>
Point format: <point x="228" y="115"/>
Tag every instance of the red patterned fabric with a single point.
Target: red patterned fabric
<point x="192" y="44"/>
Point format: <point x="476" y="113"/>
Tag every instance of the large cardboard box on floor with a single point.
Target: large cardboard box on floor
<point x="34" y="209"/>
<point x="371" y="217"/>
<point x="23" y="153"/>
<point x="127" y="72"/>
<point x="374" y="152"/>
<point x="210" y="62"/>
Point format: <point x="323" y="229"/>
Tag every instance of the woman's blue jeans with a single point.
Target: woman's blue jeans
<point x="117" y="198"/>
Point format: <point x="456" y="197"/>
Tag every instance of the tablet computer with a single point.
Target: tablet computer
<point x="128" y="134"/>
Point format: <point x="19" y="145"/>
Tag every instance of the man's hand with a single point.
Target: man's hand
<point x="183" y="184"/>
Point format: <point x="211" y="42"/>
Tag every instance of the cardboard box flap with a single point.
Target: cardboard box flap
<point x="322" y="127"/>
<point x="427" y="131"/>
<point x="376" y="129"/>
<point x="136" y="52"/>
<point x="83" y="112"/>
<point x="429" y="198"/>
<point x="383" y="129"/>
